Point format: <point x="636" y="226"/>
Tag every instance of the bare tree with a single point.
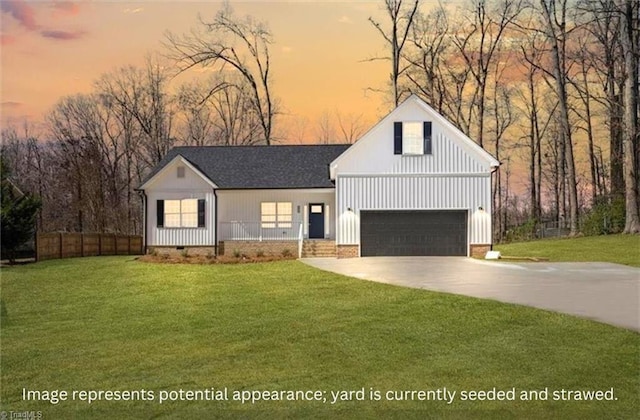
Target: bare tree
<point x="428" y="58"/>
<point x="351" y="126"/>
<point x="401" y="20"/>
<point x="198" y="126"/>
<point x="220" y="43"/>
<point x="141" y="94"/>
<point x="630" y="25"/>
<point x="479" y="45"/>
<point x="554" y="14"/>
<point x="325" y="129"/>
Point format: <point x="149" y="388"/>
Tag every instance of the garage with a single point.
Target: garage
<point x="413" y="233"/>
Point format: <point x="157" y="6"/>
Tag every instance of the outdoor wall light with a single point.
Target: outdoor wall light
<point x="350" y="209"/>
<point x="480" y="208"/>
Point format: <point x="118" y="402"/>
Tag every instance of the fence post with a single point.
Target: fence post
<point x="115" y="244"/>
<point x="60" y="248"/>
<point x="99" y="243"/>
<point x="82" y="244"/>
<point x="129" y="243"/>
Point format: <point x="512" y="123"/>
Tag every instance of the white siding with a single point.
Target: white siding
<point x="452" y="152"/>
<point x="167" y="186"/>
<point x="414" y="192"/>
<point x="244" y="205"/>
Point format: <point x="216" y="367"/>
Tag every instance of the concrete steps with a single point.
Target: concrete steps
<point x="316" y="248"/>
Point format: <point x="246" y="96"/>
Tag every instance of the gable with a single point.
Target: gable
<point x="178" y="174"/>
<point x="451" y="150"/>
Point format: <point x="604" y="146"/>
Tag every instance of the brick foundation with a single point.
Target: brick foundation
<point x="348" y="251"/>
<point x="207" y="251"/>
<point x="252" y="248"/>
<point x="479" y="250"/>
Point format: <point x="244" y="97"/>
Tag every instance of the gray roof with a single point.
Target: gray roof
<point x="242" y="167"/>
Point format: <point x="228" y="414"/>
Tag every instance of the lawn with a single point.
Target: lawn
<point x="116" y="324"/>
<point x="621" y="249"/>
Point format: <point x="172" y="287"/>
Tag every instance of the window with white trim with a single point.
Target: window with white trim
<point x="276" y="214"/>
<point x="181" y="213"/>
<point x="412" y="138"/>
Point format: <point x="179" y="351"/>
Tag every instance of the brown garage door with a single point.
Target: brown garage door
<point x="413" y="233"/>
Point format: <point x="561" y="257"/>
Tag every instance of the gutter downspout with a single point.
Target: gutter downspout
<point x="494" y="169"/>
<point x="143" y="197"/>
<point x="215" y="221"/>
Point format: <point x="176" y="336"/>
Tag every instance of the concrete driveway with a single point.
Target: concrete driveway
<point x="604" y="292"/>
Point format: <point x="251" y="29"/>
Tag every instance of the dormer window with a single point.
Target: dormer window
<point x="180" y="171"/>
<point x="412" y="137"/>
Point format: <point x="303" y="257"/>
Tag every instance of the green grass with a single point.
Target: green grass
<point x="111" y="323"/>
<point x="620" y="249"/>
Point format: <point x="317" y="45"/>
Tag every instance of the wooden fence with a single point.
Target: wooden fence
<point x="65" y="245"/>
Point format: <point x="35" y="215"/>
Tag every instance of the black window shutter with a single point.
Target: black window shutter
<point x="427" y="137"/>
<point x="397" y="138"/>
<point x="201" y="213"/>
<point x="160" y="213"/>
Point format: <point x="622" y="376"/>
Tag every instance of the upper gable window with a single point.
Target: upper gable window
<point x="412" y="137"/>
<point x="180" y="171"/>
<point x="412" y="140"/>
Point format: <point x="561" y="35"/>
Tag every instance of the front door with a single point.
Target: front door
<point x="316" y="221"/>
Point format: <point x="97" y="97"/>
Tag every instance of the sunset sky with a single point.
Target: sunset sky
<point x="51" y="49"/>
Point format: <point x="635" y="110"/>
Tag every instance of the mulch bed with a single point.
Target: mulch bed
<point x="202" y="259"/>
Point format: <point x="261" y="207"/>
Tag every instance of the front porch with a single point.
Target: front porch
<point x="260" y="238"/>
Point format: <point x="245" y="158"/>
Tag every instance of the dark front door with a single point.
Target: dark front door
<point x="316" y="221"/>
<point x="409" y="233"/>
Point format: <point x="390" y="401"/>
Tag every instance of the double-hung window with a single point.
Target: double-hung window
<point x="186" y="213"/>
<point x="412" y="138"/>
<point x="276" y="214"/>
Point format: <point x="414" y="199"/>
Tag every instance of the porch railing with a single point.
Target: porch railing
<point x="258" y="231"/>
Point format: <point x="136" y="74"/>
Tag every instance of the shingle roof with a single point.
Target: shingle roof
<point x="300" y="166"/>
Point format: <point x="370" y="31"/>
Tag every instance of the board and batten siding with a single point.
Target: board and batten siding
<point x="414" y="192"/>
<point x="373" y="154"/>
<point x="161" y="236"/>
<point x="167" y="186"/>
<point x="244" y="205"/>
<point x="456" y="175"/>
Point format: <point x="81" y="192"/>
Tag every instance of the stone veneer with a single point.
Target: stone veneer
<point x="479" y="250"/>
<point x="348" y="251"/>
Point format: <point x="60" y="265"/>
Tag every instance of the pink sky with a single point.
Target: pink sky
<point x="56" y="48"/>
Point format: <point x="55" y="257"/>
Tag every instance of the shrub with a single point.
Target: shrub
<point x="185" y="253"/>
<point x="237" y="253"/>
<point x="286" y="253"/>
<point x="524" y="232"/>
<point x="605" y="217"/>
<point x="260" y="253"/>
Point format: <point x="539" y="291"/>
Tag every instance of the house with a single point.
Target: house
<point x="412" y="185"/>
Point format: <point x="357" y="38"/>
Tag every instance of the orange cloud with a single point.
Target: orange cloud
<point x="21" y="11"/>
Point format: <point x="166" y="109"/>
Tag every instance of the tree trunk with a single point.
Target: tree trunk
<point x="629" y="23"/>
<point x="559" y="73"/>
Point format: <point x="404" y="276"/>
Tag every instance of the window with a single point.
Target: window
<point x="412" y="137"/>
<point x="181" y="213"/>
<point x="180" y="171"/>
<point x="276" y="214"/>
<point x="412" y="141"/>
